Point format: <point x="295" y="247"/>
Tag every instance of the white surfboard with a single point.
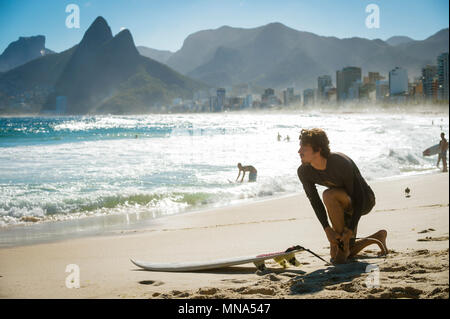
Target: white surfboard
<point x="282" y="258"/>
<point x="433" y="150"/>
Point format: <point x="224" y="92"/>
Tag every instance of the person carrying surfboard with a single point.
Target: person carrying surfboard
<point x="347" y="197"/>
<point x="443" y="145"/>
<point x="252" y="172"/>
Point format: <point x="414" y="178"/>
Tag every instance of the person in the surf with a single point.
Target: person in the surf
<point x="252" y="172"/>
<point x="443" y="145"/>
<point x="347" y="197"/>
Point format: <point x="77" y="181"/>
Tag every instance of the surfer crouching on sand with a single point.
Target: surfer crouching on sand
<point x="347" y="198"/>
<point x="252" y="172"/>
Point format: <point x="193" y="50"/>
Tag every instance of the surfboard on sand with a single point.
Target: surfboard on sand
<point x="433" y="150"/>
<point x="282" y="258"/>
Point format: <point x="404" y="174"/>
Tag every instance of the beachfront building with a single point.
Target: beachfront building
<point x="344" y="80"/>
<point x="213" y="103"/>
<point x="235" y="103"/>
<point x="353" y="90"/>
<point x="434" y="88"/>
<point x="323" y="82"/>
<point x="330" y="93"/>
<point x="416" y="89"/>
<point x="381" y="90"/>
<point x="248" y="101"/>
<point x="220" y="99"/>
<point x="269" y="98"/>
<point x="442" y="74"/>
<point x="398" y="82"/>
<point x="367" y="91"/>
<point x="373" y="77"/>
<point x="308" y="97"/>
<point x="288" y="96"/>
<point x="429" y="73"/>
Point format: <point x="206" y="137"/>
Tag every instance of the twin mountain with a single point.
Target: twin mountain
<point x="101" y="74"/>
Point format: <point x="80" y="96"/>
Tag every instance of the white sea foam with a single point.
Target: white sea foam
<point x="166" y="164"/>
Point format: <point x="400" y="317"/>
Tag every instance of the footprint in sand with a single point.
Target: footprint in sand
<point x="421" y="252"/>
<point x="442" y="238"/>
<point x="393" y="268"/>
<point x="426" y="230"/>
<point x="272" y="277"/>
<point x="395" y="292"/>
<point x="235" y="281"/>
<point x="151" y="283"/>
<point x="208" y="291"/>
<point x="401" y="292"/>
<point x="260" y="290"/>
<point x="302" y="288"/>
<point x="179" y="294"/>
<point x="439" y="293"/>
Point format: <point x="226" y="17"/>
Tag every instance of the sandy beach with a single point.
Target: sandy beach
<point x="416" y="267"/>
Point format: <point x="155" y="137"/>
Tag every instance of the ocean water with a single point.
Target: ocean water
<point x="142" y="167"/>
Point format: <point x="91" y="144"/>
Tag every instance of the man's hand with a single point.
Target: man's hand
<point x="346" y="235"/>
<point x="344" y="238"/>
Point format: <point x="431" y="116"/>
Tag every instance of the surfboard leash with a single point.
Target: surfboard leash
<point x="298" y="247"/>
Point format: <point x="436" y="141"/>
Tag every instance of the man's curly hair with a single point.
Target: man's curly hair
<point x="318" y="139"/>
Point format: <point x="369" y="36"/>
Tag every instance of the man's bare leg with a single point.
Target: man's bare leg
<point x="336" y="201"/>
<point x="379" y="236"/>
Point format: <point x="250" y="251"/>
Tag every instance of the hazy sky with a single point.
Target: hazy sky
<point x="164" y="24"/>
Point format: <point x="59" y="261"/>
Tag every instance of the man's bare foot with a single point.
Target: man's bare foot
<point x="381" y="236"/>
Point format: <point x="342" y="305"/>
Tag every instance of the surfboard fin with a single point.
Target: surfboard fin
<point x="292" y="260"/>
<point x="281" y="261"/>
<point x="260" y="265"/>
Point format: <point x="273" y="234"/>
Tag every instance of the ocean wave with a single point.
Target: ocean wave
<point x="183" y="162"/>
<point x="13" y="213"/>
<point x="157" y="203"/>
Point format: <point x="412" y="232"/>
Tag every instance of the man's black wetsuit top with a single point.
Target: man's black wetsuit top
<point x="340" y="172"/>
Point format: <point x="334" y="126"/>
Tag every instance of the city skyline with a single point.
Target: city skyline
<point x="165" y="25"/>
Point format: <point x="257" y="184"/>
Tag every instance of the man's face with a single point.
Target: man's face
<point x="307" y="154"/>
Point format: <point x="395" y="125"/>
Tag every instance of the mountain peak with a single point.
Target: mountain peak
<point x="21" y="51"/>
<point x="125" y="34"/>
<point x="440" y="35"/>
<point x="98" y="32"/>
<point x="275" y="25"/>
<point x="123" y="43"/>
<point x="396" y="40"/>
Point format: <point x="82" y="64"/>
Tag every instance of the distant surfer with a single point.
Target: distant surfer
<point x="279" y="137"/>
<point x="252" y="172"/>
<point x="347" y="198"/>
<point x="443" y="146"/>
